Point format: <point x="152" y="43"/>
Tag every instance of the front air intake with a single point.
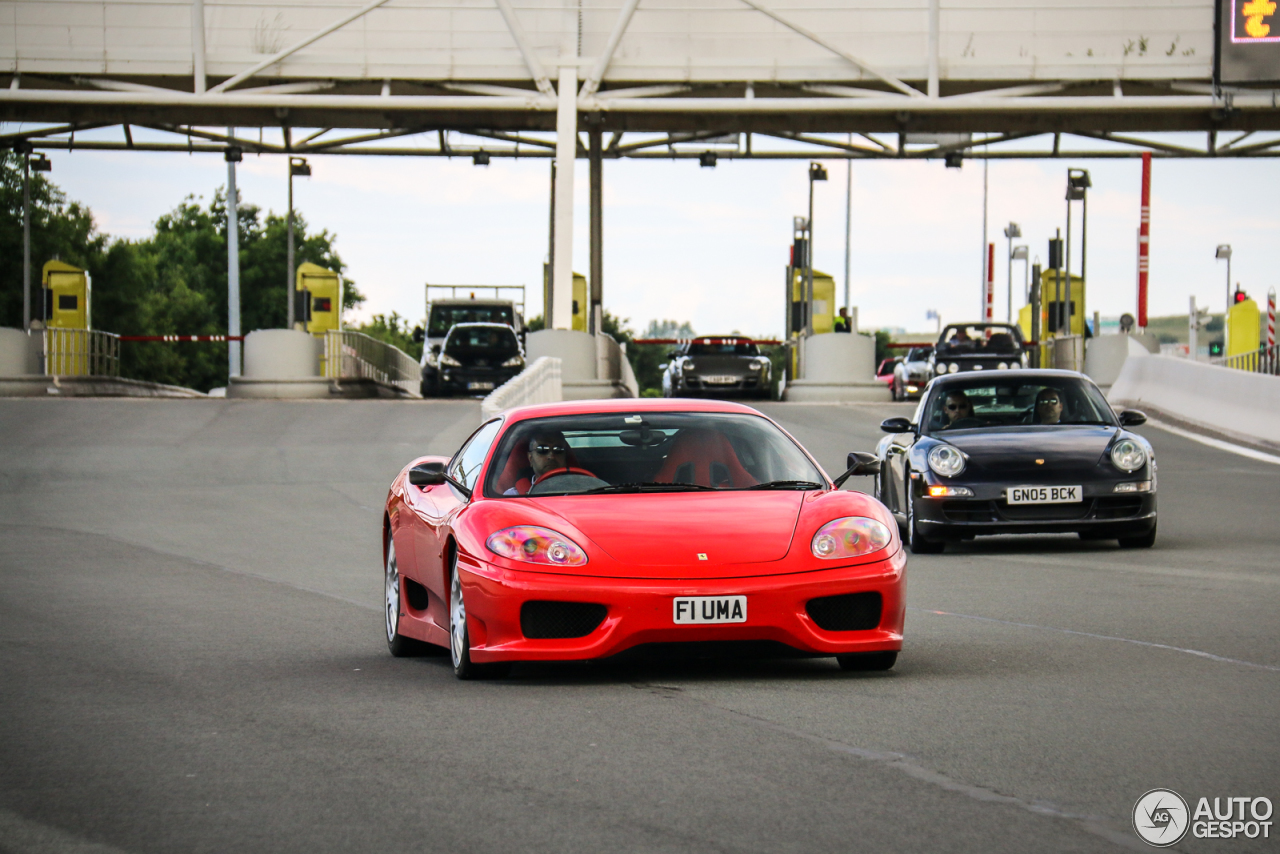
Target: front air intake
<point x="545" y="620"/>
<point x="851" y="612"/>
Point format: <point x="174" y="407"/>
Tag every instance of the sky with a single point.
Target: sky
<point x="710" y="245"/>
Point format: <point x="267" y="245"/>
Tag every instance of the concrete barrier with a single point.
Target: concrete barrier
<point x="1235" y="404"/>
<point x="592" y="367"/>
<point x="1105" y="356"/>
<point x="18" y="353"/>
<point x="538" y="383"/>
<point x="838" y="367"/>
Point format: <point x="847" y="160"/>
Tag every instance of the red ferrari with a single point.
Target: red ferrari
<point x="582" y="530"/>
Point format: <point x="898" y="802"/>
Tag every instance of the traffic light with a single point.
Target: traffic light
<point x="1215" y="348"/>
<point x="1055" y="253"/>
<point x="1240" y="296"/>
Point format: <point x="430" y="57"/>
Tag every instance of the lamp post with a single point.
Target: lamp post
<point x="233" y="156"/>
<point x="1011" y="232"/>
<point x="1078" y="185"/>
<point x="1020" y="253"/>
<point x="817" y="172"/>
<point x="1224" y="251"/>
<point x="38" y="163"/>
<point x="297" y="166"/>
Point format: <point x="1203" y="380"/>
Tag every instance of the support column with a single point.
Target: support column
<point x="197" y="47"/>
<point x="597" y="230"/>
<point x="233" y="263"/>
<point x="566" y="151"/>
<point x="26" y="238"/>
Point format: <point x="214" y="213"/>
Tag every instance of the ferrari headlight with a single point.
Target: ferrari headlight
<point x="446" y="359"/>
<point x="513" y="362"/>
<point x="851" y="536"/>
<point x="1128" y="455"/>
<point x="946" y="460"/>
<point x="532" y="544"/>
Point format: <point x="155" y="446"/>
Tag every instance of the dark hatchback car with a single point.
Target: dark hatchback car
<point x="475" y="358"/>
<point x="1034" y="451"/>
<point x="978" y="347"/>
<point x="717" y="366"/>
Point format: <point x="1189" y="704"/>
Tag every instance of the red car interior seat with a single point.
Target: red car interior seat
<point x="704" y="457"/>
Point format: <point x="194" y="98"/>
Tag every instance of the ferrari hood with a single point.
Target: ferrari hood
<point x="668" y="531"/>
<point x="1015" y="451"/>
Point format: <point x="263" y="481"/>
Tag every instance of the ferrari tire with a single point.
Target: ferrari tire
<point x="919" y="544"/>
<point x="1141" y="541"/>
<point x="460" y="639"/>
<point x="864" y="662"/>
<point x="399" y="645"/>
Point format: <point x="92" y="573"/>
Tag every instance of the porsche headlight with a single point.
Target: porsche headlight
<point x="851" y="536"/>
<point x="759" y="364"/>
<point x="532" y="544"/>
<point x="513" y="362"/>
<point x="1127" y="455"/>
<point x="446" y="359"/>
<point x="953" y="367"/>
<point x="431" y="359"/>
<point x="1003" y="366"/>
<point x="946" y="460"/>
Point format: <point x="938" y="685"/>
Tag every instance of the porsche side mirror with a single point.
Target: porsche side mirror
<point x="427" y="474"/>
<point x="859" y="463"/>
<point x="896" y="425"/>
<point x="1132" y="418"/>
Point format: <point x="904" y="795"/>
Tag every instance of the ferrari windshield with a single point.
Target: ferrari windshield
<point x="1013" y="399"/>
<point x="607" y="454"/>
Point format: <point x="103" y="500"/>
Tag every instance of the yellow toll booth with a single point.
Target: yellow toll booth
<point x="824" y="299"/>
<point x="66" y="291"/>
<point x="1244" y="328"/>
<point x="322" y="309"/>
<point x="581" y="305"/>
<point x="1073" y="303"/>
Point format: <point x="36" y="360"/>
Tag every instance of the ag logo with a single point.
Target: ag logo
<point x="1161" y="818"/>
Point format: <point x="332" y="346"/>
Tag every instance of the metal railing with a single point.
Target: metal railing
<point x="1265" y="360"/>
<point x="538" y="383"/>
<point x="352" y="355"/>
<point x="1065" y="353"/>
<point x="80" y="353"/>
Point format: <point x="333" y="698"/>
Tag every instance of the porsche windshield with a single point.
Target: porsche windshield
<point x="649" y="452"/>
<point x="976" y="339"/>
<point x="487" y="341"/>
<point x="722" y="347"/>
<point x="1012" y="400"/>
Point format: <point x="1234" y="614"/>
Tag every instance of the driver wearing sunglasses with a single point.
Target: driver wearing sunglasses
<point x="1048" y="409"/>
<point x="548" y="453"/>
<point x="956" y="407"/>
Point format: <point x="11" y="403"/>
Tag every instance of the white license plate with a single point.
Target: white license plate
<point x="1044" y="494"/>
<point x="480" y="386"/>
<point x="720" y="380"/>
<point x="709" y="609"/>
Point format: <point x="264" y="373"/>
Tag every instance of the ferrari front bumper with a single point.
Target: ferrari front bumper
<point x="640" y="610"/>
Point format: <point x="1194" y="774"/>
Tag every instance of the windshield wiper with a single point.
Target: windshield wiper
<point x="649" y="486"/>
<point x="787" y="484"/>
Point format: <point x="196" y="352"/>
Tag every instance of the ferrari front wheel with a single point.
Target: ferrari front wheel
<point x="460" y="639"/>
<point x="399" y="645"/>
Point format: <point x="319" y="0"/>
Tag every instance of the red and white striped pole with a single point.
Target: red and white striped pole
<point x="1144" y="240"/>
<point x="1271" y="329"/>
<point x="991" y="284"/>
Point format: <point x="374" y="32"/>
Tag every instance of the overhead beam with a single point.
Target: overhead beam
<point x="531" y="61"/>
<point x="602" y="64"/>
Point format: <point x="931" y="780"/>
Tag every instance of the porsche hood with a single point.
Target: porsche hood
<point x="1032" y="450"/>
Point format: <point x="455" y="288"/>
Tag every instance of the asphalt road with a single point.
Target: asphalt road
<point x="193" y="661"/>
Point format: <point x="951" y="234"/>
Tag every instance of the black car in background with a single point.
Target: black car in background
<point x="475" y="358"/>
<point x="978" y="347"/>
<point x="1013" y="452"/>
<point x="717" y="366"/>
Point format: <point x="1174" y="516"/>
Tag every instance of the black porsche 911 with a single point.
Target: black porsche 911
<point x="977" y="347"/>
<point x="717" y="366"/>
<point x="1009" y="452"/>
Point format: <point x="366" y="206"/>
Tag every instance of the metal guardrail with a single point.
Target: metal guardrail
<point x="353" y="355"/>
<point x="1065" y="353"/>
<point x="1264" y="360"/>
<point x="538" y="383"/>
<point x="80" y="353"/>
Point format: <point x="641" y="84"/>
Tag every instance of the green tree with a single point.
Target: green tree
<point x="394" y="330"/>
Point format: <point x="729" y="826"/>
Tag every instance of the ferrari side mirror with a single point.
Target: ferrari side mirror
<point x="427" y="474"/>
<point x="896" y="425"/>
<point x="859" y="464"/>
<point x="1132" y="418"/>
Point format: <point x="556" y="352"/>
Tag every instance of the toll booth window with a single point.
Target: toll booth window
<point x="68" y="302"/>
<point x="322" y="304"/>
